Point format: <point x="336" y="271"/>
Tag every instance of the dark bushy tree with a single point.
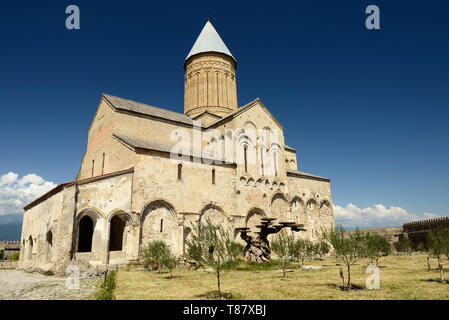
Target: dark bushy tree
<point x="376" y="247"/>
<point x="403" y="245"/>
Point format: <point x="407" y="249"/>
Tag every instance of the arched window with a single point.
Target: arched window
<point x="207" y="88"/>
<point x="49" y="249"/>
<point x="197" y="89"/>
<point x="261" y="161"/>
<point x="162" y="225"/>
<point x="50" y="238"/>
<point x="275" y="164"/>
<point x="102" y="164"/>
<point x="85" y="234"/>
<point x="218" y="93"/>
<point x="93" y="165"/>
<point x="213" y="176"/>
<point x="116" y="233"/>
<point x="311" y="205"/>
<point x="30" y="248"/>
<point x="179" y="171"/>
<point x="245" y="158"/>
<point x="226" y="87"/>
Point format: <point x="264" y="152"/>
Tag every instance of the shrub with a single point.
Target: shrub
<point x="377" y="246"/>
<point x="153" y="255"/>
<point x="2" y="255"/>
<point x="170" y="261"/>
<point x="107" y="287"/>
<point x="235" y="250"/>
<point x="309" y="247"/>
<point x="299" y="251"/>
<point x="403" y="245"/>
<point x="15" y="256"/>
<point x="324" y="248"/>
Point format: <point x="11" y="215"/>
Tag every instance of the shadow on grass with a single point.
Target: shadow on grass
<point x="213" y="295"/>
<point x="354" y="287"/>
<point x="435" y="280"/>
<point x="174" y="277"/>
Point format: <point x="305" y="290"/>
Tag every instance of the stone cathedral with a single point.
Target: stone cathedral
<point x="131" y="188"/>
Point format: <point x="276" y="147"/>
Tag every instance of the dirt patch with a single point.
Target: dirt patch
<point x="20" y="285"/>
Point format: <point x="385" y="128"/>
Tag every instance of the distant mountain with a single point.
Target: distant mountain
<point x="10" y="227"/>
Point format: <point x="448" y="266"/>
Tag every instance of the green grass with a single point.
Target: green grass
<point x="106" y="288"/>
<point x="401" y="277"/>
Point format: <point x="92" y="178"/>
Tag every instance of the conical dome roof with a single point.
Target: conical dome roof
<point x="209" y="41"/>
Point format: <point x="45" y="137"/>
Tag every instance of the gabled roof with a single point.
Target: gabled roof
<point x="206" y="113"/>
<point x="306" y="175"/>
<point x="137" y="107"/>
<point x="209" y="41"/>
<point x="143" y="144"/>
<point x="244" y="108"/>
<point x="136" y="143"/>
<point x="61" y="186"/>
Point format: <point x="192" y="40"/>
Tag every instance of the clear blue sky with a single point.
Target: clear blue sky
<point x="366" y="108"/>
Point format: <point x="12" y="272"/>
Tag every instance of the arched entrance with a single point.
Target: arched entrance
<point x="117" y="230"/>
<point x="85" y="234"/>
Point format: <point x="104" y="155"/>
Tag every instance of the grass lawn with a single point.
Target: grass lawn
<point x="401" y="277"/>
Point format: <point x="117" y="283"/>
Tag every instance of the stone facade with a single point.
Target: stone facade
<point x="131" y="189"/>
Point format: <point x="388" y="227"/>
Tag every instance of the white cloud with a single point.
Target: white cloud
<point x="379" y="215"/>
<point x="8" y="178"/>
<point x="15" y="193"/>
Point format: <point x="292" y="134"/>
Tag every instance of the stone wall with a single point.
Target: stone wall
<point x="417" y="231"/>
<point x="9" y="248"/>
<point x="392" y="234"/>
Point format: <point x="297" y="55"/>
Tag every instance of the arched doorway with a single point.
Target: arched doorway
<point x="187" y="232"/>
<point x="85" y="234"/>
<point x="159" y="222"/>
<point x="117" y="229"/>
